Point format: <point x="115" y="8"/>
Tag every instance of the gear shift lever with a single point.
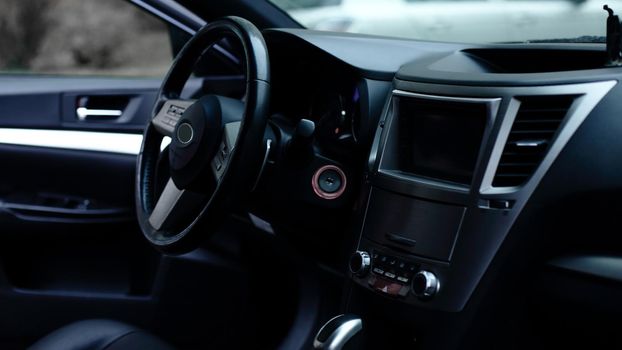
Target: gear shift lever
<point x="337" y="332"/>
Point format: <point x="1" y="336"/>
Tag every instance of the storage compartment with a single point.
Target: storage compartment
<point x="415" y="226"/>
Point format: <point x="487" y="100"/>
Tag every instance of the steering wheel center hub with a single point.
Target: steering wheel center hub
<point x="195" y="141"/>
<point x="185" y="133"/>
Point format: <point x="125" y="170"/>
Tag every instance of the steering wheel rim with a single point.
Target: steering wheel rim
<point x="212" y="119"/>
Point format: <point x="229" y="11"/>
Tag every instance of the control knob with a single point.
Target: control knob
<point x="360" y="263"/>
<point x="425" y="284"/>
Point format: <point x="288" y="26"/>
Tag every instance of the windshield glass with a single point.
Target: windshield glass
<point x="474" y="21"/>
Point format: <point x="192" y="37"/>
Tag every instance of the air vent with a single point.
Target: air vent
<point x="536" y="124"/>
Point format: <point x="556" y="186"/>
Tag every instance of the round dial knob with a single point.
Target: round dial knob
<point x="425" y="284"/>
<point x="360" y="263"/>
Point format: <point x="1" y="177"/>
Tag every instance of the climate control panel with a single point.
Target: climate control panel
<point x="392" y="275"/>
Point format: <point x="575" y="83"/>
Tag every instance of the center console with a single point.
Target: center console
<point x="451" y="167"/>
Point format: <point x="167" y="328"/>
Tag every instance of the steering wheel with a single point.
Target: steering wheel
<point x="216" y="148"/>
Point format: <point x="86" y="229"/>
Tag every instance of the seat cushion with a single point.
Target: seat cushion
<point x="99" y="335"/>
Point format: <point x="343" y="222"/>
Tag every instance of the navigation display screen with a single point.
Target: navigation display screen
<point x="440" y="139"/>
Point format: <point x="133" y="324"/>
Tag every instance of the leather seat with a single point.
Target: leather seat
<point x="99" y="335"/>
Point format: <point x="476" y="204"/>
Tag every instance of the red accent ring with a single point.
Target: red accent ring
<point x="325" y="195"/>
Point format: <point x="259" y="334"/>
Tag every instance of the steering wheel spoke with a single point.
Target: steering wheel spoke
<point x="223" y="156"/>
<point x="173" y="205"/>
<point x="169" y="114"/>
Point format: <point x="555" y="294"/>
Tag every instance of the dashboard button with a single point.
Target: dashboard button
<point x="329" y="182"/>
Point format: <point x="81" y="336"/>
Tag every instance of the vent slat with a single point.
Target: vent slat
<point x="530" y="132"/>
<point x="537" y="122"/>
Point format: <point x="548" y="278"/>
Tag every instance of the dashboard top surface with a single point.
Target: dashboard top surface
<point x="457" y="64"/>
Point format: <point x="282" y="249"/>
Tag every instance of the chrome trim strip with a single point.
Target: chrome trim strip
<point x="403" y="93"/>
<point x="492" y="108"/>
<point x="74" y="140"/>
<point x="588" y="96"/>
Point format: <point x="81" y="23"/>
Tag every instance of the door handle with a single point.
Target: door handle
<point x="84" y="113"/>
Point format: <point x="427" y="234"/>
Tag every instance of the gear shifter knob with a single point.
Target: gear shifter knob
<point x="338" y="332"/>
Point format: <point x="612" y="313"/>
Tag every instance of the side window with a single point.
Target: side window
<point x="82" y="37"/>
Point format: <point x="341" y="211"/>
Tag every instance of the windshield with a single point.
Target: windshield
<point x="473" y="21"/>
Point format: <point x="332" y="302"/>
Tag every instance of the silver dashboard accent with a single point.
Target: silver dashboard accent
<point x="403" y="93"/>
<point x="588" y="96"/>
<point x="73" y="140"/>
<point x="492" y="107"/>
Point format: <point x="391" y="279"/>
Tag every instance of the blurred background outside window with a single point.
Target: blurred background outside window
<point x="81" y="37"/>
<point x="471" y="21"/>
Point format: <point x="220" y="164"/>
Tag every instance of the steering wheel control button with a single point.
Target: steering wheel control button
<point x="360" y="262"/>
<point x="329" y="182"/>
<point x="175" y="111"/>
<point x="185" y="133"/>
<point x="425" y="284"/>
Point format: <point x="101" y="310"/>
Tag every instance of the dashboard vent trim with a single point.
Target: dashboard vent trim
<point x="534" y="130"/>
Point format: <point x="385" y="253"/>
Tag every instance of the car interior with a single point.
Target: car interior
<point x="287" y="188"/>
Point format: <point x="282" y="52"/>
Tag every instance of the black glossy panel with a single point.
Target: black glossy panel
<point x="429" y="228"/>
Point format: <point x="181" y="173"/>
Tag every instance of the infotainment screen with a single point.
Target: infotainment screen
<point x="440" y="139"/>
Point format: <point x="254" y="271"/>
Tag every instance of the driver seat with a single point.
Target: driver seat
<point x="100" y="335"/>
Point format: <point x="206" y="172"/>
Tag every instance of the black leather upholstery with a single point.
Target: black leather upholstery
<point x="99" y="335"/>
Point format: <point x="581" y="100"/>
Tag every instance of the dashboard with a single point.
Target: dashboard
<point x="461" y="162"/>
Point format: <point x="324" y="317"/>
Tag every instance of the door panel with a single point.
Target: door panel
<point x="70" y="245"/>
